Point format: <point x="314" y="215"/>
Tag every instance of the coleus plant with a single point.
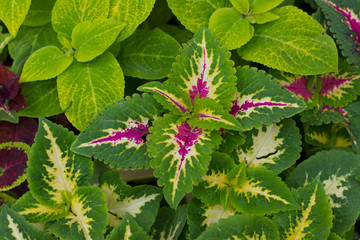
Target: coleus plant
<point x="237" y="153"/>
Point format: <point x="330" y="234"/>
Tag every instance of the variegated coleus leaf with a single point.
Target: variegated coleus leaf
<point x="36" y="212"/>
<point x="327" y="135"/>
<point x="54" y="172"/>
<point x="181" y="155"/>
<point x="141" y="202"/>
<point x="252" y="190"/>
<point x="117" y="135"/>
<point x="203" y="68"/>
<point x="343" y="19"/>
<point x="353" y="116"/>
<point x="201" y="216"/>
<point x="242" y="227"/>
<point x="337" y="171"/>
<point x="275" y="147"/>
<point x="13" y="164"/>
<point x="324" y="115"/>
<point x="13" y="226"/>
<point x="169" y="223"/>
<point x="87" y="218"/>
<point x="260" y="100"/>
<point x="128" y="229"/>
<point x="313" y="221"/>
<point x="231" y="140"/>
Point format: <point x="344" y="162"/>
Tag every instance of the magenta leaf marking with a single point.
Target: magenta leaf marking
<point x="200" y="86"/>
<point x="299" y="88"/>
<point x="181" y="107"/>
<point x="352" y="20"/>
<point x="201" y="115"/>
<point x="329" y="83"/>
<point x="250" y="104"/>
<point x="132" y="134"/>
<point x="186" y="138"/>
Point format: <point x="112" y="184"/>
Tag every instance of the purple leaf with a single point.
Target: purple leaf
<point x="24" y="131"/>
<point x="299" y="88"/>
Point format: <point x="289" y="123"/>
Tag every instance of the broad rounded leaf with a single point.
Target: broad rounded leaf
<point x="66" y="14"/>
<point x="242" y="227"/>
<point x="91" y="38"/>
<point x="243" y="6"/>
<point x="229" y="26"/>
<point x="128" y="229"/>
<point x="276" y="147"/>
<point x="54" y="172"/>
<point x="45" y="63"/>
<point x="12" y="14"/>
<point x="85" y="88"/>
<point x="260" y="6"/>
<point x="39" y="13"/>
<point x="148" y="54"/>
<point x="287" y="45"/>
<point x="116" y="136"/>
<point x="337" y="171"/>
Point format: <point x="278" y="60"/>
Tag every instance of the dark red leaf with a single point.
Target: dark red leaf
<point x="24" y="131"/>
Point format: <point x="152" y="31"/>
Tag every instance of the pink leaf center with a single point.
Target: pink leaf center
<point x="329" y="83"/>
<point x="201" y="84"/>
<point x="299" y="87"/>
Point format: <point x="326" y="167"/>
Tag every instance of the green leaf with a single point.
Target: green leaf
<point x="229" y="26"/>
<point x="54" y="172"/>
<point x="14" y="226"/>
<point x="203" y="68"/>
<point x="169" y="223"/>
<point x="287" y="45"/>
<point x="261" y="6"/>
<point x="337" y="171"/>
<point x="313" y="221"/>
<point x="128" y="229"/>
<point x="194" y="14"/>
<point x="247" y="227"/>
<point x="4" y="40"/>
<point x="353" y="116"/>
<point x="35" y="212"/>
<point x="324" y="115"/>
<point x="42" y="99"/>
<point x="27" y="41"/>
<point x="45" y="63"/>
<point x="266" y="17"/>
<point x="39" y="13"/>
<point x="66" y="14"/>
<point x="116" y="135"/>
<point x="148" y="54"/>
<point x="12" y="13"/>
<point x="85" y="88"/>
<point x="8" y="115"/>
<point x="201" y="216"/>
<point x="243" y="6"/>
<point x="276" y="147"/>
<point x="260" y="100"/>
<point x="132" y="13"/>
<point x="87" y="218"/>
<point x="181" y="155"/>
<point x="91" y="38"/>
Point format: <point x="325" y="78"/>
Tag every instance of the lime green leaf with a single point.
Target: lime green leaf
<point x="141" y="202"/>
<point x="243" y="6"/>
<point x="35" y="212"/>
<point x="229" y="26"/>
<point x="337" y="171"/>
<point x="128" y="229"/>
<point x="4" y="40"/>
<point x="14" y="226"/>
<point x="6" y="198"/>
<point x="12" y="13"/>
<point x="260" y="6"/>
<point x="194" y="14"/>
<point x="203" y="68"/>
<point x="313" y="221"/>
<point x="42" y="99"/>
<point x="266" y="17"/>
<point x="91" y="38"/>
<point x="39" y="13"/>
<point x="116" y="135"/>
<point x="201" y="216"/>
<point x="181" y="155"/>
<point x="66" y="14"/>
<point x="247" y="227"/>
<point x="276" y="147"/>
<point x="148" y="54"/>
<point x="287" y="45"/>
<point x="261" y="101"/>
<point x="334" y="236"/>
<point x="54" y="172"/>
<point x="132" y="13"/>
<point x="85" y="88"/>
<point x="87" y="218"/>
<point x="169" y="223"/>
<point x="27" y="41"/>
<point x="45" y="63"/>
